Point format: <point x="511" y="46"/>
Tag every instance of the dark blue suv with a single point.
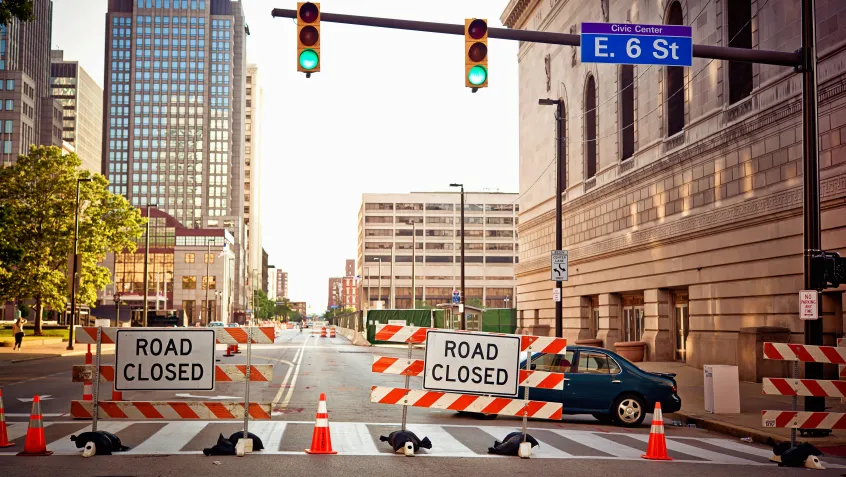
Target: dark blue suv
<point x="604" y="384"/>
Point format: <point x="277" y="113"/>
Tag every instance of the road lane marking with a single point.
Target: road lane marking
<point x="442" y="441"/>
<point x="170" y="438"/>
<point x="352" y="438"/>
<point x="294" y="379"/>
<point x="605" y="445"/>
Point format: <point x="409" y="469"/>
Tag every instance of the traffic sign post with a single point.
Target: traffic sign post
<point x="472" y="363"/>
<point x="808" y="301"/>
<point x="558" y="263"/>
<point x="164" y="359"/>
<point x="629" y="44"/>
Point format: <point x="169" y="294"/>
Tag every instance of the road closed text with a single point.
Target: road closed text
<point x="469" y="362"/>
<point x="165" y="359"/>
<point x="474" y="374"/>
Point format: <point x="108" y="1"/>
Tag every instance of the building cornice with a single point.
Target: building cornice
<point x="515" y="12"/>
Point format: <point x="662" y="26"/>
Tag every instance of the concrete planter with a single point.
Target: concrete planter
<point x="590" y="342"/>
<point x="633" y="351"/>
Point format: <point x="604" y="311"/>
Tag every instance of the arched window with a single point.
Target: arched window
<point x="627" y="117"/>
<point x="675" y="87"/>
<point x="590" y="128"/>
<point x="740" y="36"/>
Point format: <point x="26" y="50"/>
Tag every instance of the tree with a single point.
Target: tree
<point x="20" y="9"/>
<point x="38" y="193"/>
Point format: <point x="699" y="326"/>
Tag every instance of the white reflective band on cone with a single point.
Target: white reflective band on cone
<point x="321" y="422"/>
<point x="321" y="408"/>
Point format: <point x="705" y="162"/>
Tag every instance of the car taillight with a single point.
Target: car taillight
<point x="674" y="388"/>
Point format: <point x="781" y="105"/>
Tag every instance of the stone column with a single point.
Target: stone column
<point x="576" y="310"/>
<point x="609" y="319"/>
<point x="657" y="328"/>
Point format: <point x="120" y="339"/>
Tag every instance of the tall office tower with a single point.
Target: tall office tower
<point x="174" y="113"/>
<point x="82" y="107"/>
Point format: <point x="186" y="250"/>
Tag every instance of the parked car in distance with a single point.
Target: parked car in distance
<point x="233" y="325"/>
<point x="604" y="384"/>
<point x="213" y="324"/>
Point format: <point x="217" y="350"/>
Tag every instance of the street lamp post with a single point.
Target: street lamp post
<point x="369" y="297"/>
<point x="560" y="179"/>
<point x="75" y="259"/>
<point x="413" y="263"/>
<point x="463" y="295"/>
<point x="146" y="265"/>
<point x="506" y="301"/>
<point x="379" y="259"/>
<point x="117" y="308"/>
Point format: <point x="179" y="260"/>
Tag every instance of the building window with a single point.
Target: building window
<point x="10" y="105"/>
<point x="740" y="36"/>
<point x="627" y="117"/>
<point x="10" y="85"/>
<point x="7" y="147"/>
<point x="189" y="258"/>
<point x="209" y="282"/>
<point x="189" y="283"/>
<point x="675" y="81"/>
<point x="9" y="127"/>
<point x="590" y="128"/>
<point x="208" y="258"/>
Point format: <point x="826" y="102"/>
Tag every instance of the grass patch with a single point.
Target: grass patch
<point x="6" y="334"/>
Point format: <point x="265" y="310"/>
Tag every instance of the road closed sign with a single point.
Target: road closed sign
<point x="165" y="360"/>
<point x="471" y="363"/>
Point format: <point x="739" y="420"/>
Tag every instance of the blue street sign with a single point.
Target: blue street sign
<point x="630" y="44"/>
<point x="456" y="297"/>
<point x="333" y="306"/>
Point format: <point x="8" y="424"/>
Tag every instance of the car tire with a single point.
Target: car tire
<point x="604" y="418"/>
<point x="628" y="410"/>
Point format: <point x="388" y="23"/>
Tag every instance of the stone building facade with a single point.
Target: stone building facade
<point x="683" y="199"/>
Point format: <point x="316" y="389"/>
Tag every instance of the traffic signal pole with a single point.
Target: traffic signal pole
<point x="803" y="60"/>
<point x="560" y="181"/>
<point x="811" y="180"/>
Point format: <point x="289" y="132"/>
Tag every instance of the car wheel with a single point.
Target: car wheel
<point x="604" y="418"/>
<point x="629" y="410"/>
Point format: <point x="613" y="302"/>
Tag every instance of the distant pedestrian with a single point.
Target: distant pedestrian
<point x="18" y="331"/>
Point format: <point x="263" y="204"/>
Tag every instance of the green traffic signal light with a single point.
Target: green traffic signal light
<point x="477" y="75"/>
<point x="309" y="59"/>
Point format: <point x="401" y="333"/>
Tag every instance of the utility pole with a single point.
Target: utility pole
<point x="393" y="259"/>
<point x="73" y="313"/>
<point x="811" y="178"/>
<point x="379" y="259"/>
<point x="146" y="265"/>
<point x="560" y="180"/>
<point x="463" y="300"/>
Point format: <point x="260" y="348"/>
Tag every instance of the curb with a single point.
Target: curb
<point x="49" y="356"/>
<point x="757" y="435"/>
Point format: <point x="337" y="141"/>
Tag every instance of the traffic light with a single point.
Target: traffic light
<point x="308" y="37"/>
<point x="476" y="53"/>
<point x="828" y="269"/>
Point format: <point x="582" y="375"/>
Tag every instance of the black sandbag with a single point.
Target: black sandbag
<point x="511" y="444"/>
<point x="257" y="444"/>
<point x="223" y="447"/>
<point x="397" y="440"/>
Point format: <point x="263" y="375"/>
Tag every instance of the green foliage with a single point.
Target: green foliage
<point x="263" y="309"/>
<point x="20" y="9"/>
<point x="38" y="194"/>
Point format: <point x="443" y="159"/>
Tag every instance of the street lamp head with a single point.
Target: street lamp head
<point x="548" y="102"/>
<point x="456" y="185"/>
<point x="85" y="179"/>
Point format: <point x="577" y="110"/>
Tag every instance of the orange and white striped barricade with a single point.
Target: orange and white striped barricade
<point x="226" y="373"/>
<point x="841" y="368"/>
<point x="806" y="422"/>
<point x="475" y="400"/>
<point x="223" y="335"/>
<point x="177" y="410"/>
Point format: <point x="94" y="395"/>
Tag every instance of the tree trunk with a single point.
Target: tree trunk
<point x="39" y="309"/>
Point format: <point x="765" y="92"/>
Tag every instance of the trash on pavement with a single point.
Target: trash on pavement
<point x="746" y="439"/>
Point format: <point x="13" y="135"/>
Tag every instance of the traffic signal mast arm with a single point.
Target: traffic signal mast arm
<point x="768" y="57"/>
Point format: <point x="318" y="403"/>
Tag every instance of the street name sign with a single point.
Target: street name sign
<point x="631" y="44"/>
<point x="473" y="363"/>
<point x="808" y="305"/>
<point x="165" y="359"/>
<point x="558" y="263"/>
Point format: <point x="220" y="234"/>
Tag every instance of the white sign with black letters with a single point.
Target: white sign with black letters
<point x="471" y="363"/>
<point x="558" y="264"/>
<point x="165" y="359"/>
<point x="808" y="305"/>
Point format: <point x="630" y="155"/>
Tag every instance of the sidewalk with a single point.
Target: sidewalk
<point x="31" y="352"/>
<point x="691" y="389"/>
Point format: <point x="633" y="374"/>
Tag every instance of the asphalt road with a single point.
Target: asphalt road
<point x="304" y="367"/>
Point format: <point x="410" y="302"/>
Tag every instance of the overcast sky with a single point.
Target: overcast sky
<point x="387" y="113"/>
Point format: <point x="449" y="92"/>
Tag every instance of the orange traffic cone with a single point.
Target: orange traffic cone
<point x="35" y="443"/>
<point x="235" y="349"/>
<point x="4" y="437"/>
<point x="228" y="352"/>
<point x="321" y="441"/>
<point x="331" y="332"/>
<point x="657" y="447"/>
<point x="323" y="332"/>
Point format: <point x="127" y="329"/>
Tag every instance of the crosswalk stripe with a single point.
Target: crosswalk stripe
<point x="442" y="441"/>
<point x="730" y="445"/>
<point x="606" y="445"/>
<point x="544" y="450"/>
<point x="170" y="438"/>
<point x="352" y="438"/>
<point x="16" y="429"/>
<point x="66" y="446"/>
<point x="270" y="434"/>
<point x="698" y="451"/>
